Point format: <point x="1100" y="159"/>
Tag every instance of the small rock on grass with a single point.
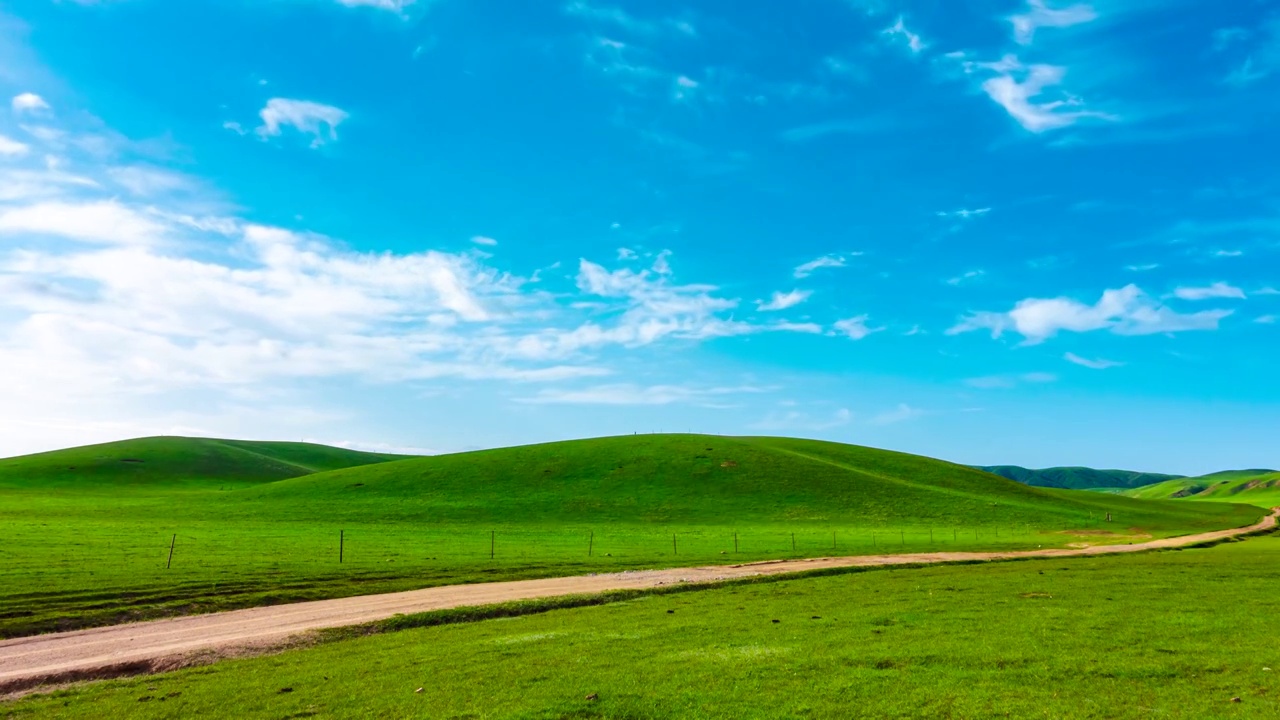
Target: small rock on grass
<point x="1235" y="699"/>
<point x="593" y="696"/>
<point x="418" y="690"/>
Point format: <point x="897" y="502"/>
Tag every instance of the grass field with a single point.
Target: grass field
<point x="216" y="526"/>
<point x="1256" y="487"/>
<point x="1158" y="635"/>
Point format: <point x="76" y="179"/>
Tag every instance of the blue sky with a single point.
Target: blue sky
<point x="1030" y="232"/>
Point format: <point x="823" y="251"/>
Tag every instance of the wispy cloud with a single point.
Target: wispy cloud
<point x="10" y="147"/>
<point x="1142" y="268"/>
<point x="628" y="23"/>
<point x="854" y="328"/>
<point x="1024" y="91"/>
<point x="392" y="5"/>
<point x="1125" y="311"/>
<point x="826" y="261"/>
<point x="1266" y="320"/>
<point x="483" y="240"/>
<point x="782" y="301"/>
<point x="964" y="213"/>
<point x="1006" y="382"/>
<point x="1263" y="54"/>
<point x="310" y="118"/>
<point x="865" y="126"/>
<point x="899" y="32"/>
<point x="1216" y="290"/>
<point x="29" y="103"/>
<point x="631" y="394"/>
<point x="1096" y="364"/>
<point x="902" y="413"/>
<point x="966" y="277"/>
<point x="1039" y="15"/>
<point x="792" y="420"/>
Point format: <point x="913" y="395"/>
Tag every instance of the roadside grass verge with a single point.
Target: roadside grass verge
<point x="1175" y="634"/>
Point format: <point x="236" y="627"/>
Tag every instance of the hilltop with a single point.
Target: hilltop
<point x="1257" y="487"/>
<point x="687" y="479"/>
<point x="167" y="461"/>
<point x="1077" y="478"/>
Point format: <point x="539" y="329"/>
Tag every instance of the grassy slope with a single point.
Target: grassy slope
<point x="1051" y="638"/>
<point x="176" y="461"/>
<point x="77" y="557"/>
<point x="1077" y="478"/>
<point x="1257" y="487"/>
<point x="672" y="480"/>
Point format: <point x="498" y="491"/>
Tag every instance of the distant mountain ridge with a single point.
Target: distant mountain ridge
<point x="1078" y="478"/>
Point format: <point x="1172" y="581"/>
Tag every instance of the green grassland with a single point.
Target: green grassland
<point x="1257" y="487"/>
<point x="172" y="462"/>
<point x="1159" y="635"/>
<point x="249" y="524"/>
<point x="1077" y="478"/>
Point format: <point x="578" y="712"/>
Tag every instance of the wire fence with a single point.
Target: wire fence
<point x="30" y="553"/>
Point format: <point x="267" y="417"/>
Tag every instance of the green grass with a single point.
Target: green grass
<point x="1077" y="478"/>
<point x="1158" y="635"/>
<point x="174" y="461"/>
<point x="1257" y="487"/>
<point x="93" y="549"/>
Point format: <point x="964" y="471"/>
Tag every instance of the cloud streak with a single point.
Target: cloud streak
<point x="1125" y="311"/>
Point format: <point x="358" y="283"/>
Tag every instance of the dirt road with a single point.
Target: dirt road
<point x="165" y="644"/>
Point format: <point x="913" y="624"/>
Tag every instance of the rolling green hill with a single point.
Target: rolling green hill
<point x="684" y="479"/>
<point x="1256" y="487"/>
<point x="1077" y="478"/>
<point x="177" y="461"/>
<point x="164" y="525"/>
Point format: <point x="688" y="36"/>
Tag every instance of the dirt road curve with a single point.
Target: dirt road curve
<point x="164" y="644"/>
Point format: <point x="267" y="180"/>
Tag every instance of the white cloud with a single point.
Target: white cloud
<point x="826" y="261"/>
<point x="864" y="126"/>
<point x="782" y="301"/>
<point x="392" y="5"/>
<point x="629" y="23"/>
<point x="1039" y="15"/>
<point x="1266" y="291"/>
<point x="970" y="275"/>
<point x="626" y="254"/>
<point x="105" y="221"/>
<point x="1126" y="311"/>
<point x="965" y="213"/>
<point x="29" y="103"/>
<point x="1021" y="91"/>
<point x="1228" y="253"/>
<point x="854" y="328"/>
<point x="234" y="127"/>
<point x="1263" y="59"/>
<point x="1005" y="382"/>
<point x="11" y="148"/>
<point x="1098" y="364"/>
<point x="1142" y="268"/>
<point x="146" y="181"/>
<point x="631" y="394"/>
<point x="898" y="30"/>
<point x="1216" y="290"/>
<point x="647" y="307"/>
<point x="482" y="240"/>
<point x="310" y="118"/>
<point x="791" y="420"/>
<point x="1266" y="320"/>
<point x="902" y="413"/>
